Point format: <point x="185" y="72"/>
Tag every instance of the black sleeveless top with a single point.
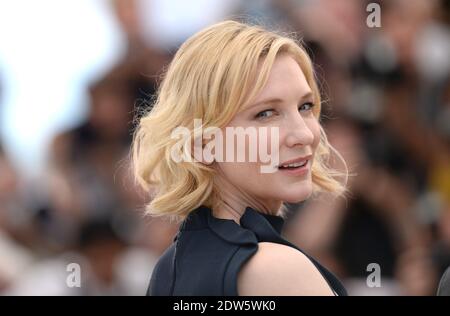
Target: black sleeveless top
<point x="207" y="253"/>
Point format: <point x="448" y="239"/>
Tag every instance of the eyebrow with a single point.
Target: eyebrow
<point x="278" y="100"/>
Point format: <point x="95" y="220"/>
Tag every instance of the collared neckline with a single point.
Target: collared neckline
<point x="254" y="225"/>
<point x="266" y="227"/>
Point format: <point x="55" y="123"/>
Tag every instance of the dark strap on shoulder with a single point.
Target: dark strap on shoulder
<point x="230" y="281"/>
<point x="163" y="271"/>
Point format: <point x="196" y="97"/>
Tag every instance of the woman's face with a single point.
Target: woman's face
<point x="285" y="103"/>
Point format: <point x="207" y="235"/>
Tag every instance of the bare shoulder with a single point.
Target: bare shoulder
<point x="276" y="269"/>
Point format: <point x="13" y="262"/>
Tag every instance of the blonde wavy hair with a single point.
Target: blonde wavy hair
<point x="213" y="76"/>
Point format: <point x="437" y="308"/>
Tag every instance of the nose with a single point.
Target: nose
<point x="298" y="132"/>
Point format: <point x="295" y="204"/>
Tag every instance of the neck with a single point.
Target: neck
<point x="234" y="201"/>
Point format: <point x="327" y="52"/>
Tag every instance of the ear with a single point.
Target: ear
<point x="209" y="148"/>
<point x="207" y="163"/>
<point x="208" y="158"/>
<point x="200" y="152"/>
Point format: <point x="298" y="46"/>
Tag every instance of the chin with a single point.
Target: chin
<point x="299" y="195"/>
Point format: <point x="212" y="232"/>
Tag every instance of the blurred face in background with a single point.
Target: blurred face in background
<point x="8" y="189"/>
<point x="110" y="112"/>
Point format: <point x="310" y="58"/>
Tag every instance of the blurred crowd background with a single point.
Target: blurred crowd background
<point x="66" y="191"/>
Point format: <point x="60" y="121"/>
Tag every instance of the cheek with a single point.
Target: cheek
<point x="252" y="147"/>
<point x="245" y="176"/>
<point x="314" y="127"/>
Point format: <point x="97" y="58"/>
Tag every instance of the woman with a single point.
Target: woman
<point x="261" y="86"/>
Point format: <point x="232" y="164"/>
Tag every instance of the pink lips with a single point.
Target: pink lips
<point x="301" y="159"/>
<point x="297" y="171"/>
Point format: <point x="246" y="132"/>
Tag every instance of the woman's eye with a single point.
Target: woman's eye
<point x="265" y="114"/>
<point x="306" y="106"/>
